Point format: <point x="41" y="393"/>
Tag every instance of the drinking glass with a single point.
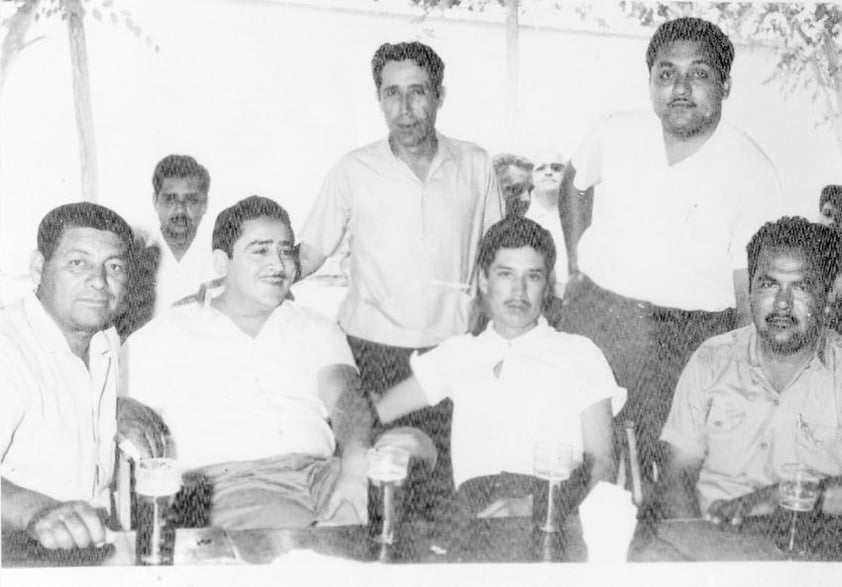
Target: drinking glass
<point x="157" y="481"/>
<point x="387" y="468"/>
<point x="798" y="492"/>
<point x="553" y="462"/>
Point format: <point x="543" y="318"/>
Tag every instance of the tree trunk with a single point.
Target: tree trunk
<point x="82" y="98"/>
<point x="13" y="35"/>
<point x="512" y="74"/>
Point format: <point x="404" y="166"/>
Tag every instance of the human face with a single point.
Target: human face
<point x="514" y="290"/>
<point x="547" y="176"/>
<point x="83" y="283"/>
<point x="831" y="215"/>
<point x="514" y="181"/>
<point x="180" y="205"/>
<point x="409" y="103"/>
<point x="261" y="269"/>
<point x="686" y="90"/>
<point x="787" y="301"/>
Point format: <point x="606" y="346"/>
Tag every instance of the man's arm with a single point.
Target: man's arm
<point x="575" y="212"/>
<point x="402" y="399"/>
<point x="142" y="427"/>
<point x="351" y="419"/>
<point x="309" y="259"/>
<point x="741" y="296"/>
<point x="52" y="523"/>
<point x="597" y="441"/>
<point x="678" y="489"/>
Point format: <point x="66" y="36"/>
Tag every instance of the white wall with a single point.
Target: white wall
<point x="267" y="95"/>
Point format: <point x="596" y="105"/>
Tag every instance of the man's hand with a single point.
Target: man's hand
<point x="67" y="525"/>
<point x="735" y="511"/>
<point x="351" y="491"/>
<point x="142" y="426"/>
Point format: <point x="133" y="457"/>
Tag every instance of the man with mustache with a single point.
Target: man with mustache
<point x="517" y="382"/>
<point x="180" y="197"/>
<point x="764" y="395"/>
<point x="59" y="372"/>
<point x="416" y="205"/>
<point x="257" y="391"/>
<point x="675" y="197"/>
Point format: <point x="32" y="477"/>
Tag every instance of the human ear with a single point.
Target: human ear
<point x="220" y="262"/>
<point x="36" y="267"/>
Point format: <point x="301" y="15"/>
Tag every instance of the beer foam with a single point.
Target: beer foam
<point x="157" y="477"/>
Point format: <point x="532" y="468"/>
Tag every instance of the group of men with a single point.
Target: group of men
<point x="275" y="406"/>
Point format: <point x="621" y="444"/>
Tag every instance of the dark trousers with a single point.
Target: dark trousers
<point x="647" y="347"/>
<point x="381" y="367"/>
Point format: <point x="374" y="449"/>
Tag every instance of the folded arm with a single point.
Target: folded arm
<point x="142" y="426"/>
<point x="575" y="212"/>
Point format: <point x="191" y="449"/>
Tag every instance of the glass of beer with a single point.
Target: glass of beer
<point x="157" y="481"/>
<point x="553" y="462"/>
<point x="798" y="492"/>
<point x="387" y="468"/>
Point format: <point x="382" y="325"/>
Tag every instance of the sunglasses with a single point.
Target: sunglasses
<point x="557" y="167"/>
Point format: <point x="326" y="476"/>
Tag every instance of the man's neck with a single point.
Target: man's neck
<point x="249" y="321"/>
<point x="178" y="244"/>
<point x="679" y="147"/>
<point x="548" y="200"/>
<point x="419" y="157"/>
<point x="781" y="368"/>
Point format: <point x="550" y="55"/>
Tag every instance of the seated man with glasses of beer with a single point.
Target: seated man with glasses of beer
<point x="518" y="384"/>
<point x="257" y="391"/>
<point x="755" y="399"/>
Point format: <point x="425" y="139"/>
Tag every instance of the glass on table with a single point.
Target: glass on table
<point x="798" y="492"/>
<point x="387" y="469"/>
<point x="157" y="481"/>
<point x="553" y="462"/>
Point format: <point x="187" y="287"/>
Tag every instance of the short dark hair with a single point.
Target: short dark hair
<point x="421" y="54"/>
<point x="504" y="160"/>
<point x="81" y="215"/>
<point x="180" y="166"/>
<point x="229" y="222"/>
<point x="716" y="43"/>
<point x="821" y="245"/>
<point x="831" y="193"/>
<point x="513" y="233"/>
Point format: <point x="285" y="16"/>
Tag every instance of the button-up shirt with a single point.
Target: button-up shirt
<point x="727" y="412"/>
<point x="58" y="417"/>
<point x="413" y="243"/>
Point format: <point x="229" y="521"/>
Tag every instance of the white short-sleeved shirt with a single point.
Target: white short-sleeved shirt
<point x="58" y="417"/>
<point x="176" y="279"/>
<point x="547" y="380"/>
<point x="550" y="221"/>
<point x="671" y="235"/>
<point x="727" y="413"/>
<point x="229" y="397"/>
<point x="413" y="242"/>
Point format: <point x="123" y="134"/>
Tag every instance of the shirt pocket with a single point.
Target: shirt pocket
<point x="726" y="436"/>
<point x="819" y="446"/>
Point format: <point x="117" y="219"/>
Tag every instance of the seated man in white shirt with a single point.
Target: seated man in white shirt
<point x="58" y="381"/>
<point x="519" y="381"/>
<point x="258" y="391"/>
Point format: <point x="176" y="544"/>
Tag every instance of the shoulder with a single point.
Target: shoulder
<point x="464" y="148"/>
<point x="361" y="155"/>
<point x="172" y="322"/>
<point x="15" y="332"/>
<point x="718" y="351"/>
<point x="737" y="143"/>
<point x="307" y="319"/>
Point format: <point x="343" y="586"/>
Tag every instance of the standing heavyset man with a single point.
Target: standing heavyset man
<point x="58" y="381"/>
<point x="416" y="205"/>
<point x="676" y="197"/>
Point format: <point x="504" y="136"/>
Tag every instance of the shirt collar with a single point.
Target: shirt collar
<point x="489" y="335"/>
<point x="50" y="335"/>
<point x="445" y="150"/>
<point x="821" y="353"/>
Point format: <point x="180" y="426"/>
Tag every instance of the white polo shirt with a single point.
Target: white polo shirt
<point x="179" y="279"/>
<point x="548" y="378"/>
<point x="413" y="243"/>
<point x="58" y="417"/>
<point x="229" y="397"/>
<point x="671" y="234"/>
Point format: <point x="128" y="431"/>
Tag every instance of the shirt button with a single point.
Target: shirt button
<point x="764" y="445"/>
<point x="777" y="402"/>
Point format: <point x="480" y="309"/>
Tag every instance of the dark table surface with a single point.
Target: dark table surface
<point x="491" y="540"/>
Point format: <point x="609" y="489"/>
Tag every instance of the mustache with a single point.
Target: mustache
<point x="781" y="316"/>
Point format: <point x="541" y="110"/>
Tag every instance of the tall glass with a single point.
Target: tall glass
<point x="157" y="481"/>
<point x="387" y="468"/>
<point x="798" y="492"/>
<point x="553" y="462"/>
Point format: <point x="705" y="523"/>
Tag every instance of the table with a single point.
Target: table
<point x="512" y="540"/>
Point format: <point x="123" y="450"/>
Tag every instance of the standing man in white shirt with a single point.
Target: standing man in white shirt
<point x="676" y="197"/>
<point x="416" y="205"/>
